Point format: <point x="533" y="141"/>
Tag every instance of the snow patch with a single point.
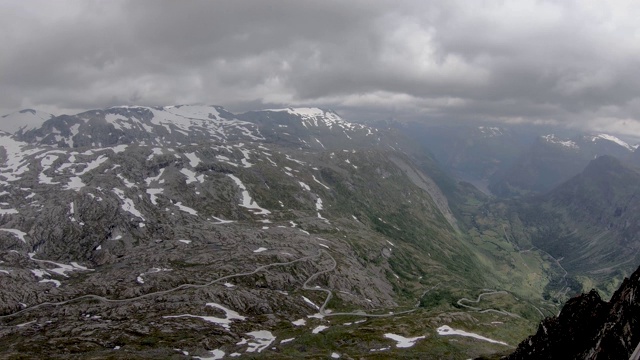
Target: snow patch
<point x="551" y="138"/>
<point x="247" y="201"/>
<point x="61" y="269"/>
<point x="186" y="208"/>
<point x="613" y="139"/>
<point x="194" y="160"/>
<point x="127" y="204"/>
<point x="319" y="328"/>
<point x="229" y="316"/>
<point x="216" y="355"/>
<point x="191" y="176"/>
<point x="8" y="211"/>
<point x="261" y="340"/>
<point x="153" y="192"/>
<point x="19" y="234"/>
<point x="445" y="330"/>
<point x="154" y="178"/>
<point x="316" y="180"/>
<point x="310" y="303"/>
<point x="403" y="342"/>
<point x="55" y="282"/>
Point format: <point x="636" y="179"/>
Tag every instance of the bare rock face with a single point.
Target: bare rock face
<point x="589" y="328"/>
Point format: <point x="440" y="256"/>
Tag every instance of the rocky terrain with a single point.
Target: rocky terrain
<point x="589" y="328"/>
<point x="138" y="232"/>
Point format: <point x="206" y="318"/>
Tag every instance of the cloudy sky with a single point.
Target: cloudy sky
<point x="573" y="62"/>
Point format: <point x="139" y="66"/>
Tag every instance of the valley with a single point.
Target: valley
<point x="190" y="231"/>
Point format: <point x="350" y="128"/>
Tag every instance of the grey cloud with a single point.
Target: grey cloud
<point x="531" y="60"/>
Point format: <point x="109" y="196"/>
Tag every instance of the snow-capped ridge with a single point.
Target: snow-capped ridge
<point x="23" y="120"/>
<point x="157" y="125"/>
<point x="211" y="121"/>
<point x="611" y="138"/>
<point x="312" y="116"/>
<point x="490" y="131"/>
<point x="551" y="138"/>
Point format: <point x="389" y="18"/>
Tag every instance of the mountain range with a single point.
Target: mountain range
<point x="180" y="231"/>
<point x="509" y="161"/>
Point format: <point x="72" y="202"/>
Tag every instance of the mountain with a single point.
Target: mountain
<point x="23" y="120"/>
<point x="176" y="231"/>
<point x="130" y="232"/>
<point x="309" y="125"/>
<point x="589" y="328"/>
<point x="144" y="125"/>
<point x="588" y="226"/>
<point x="513" y="159"/>
<point x="599" y="211"/>
<point x="634" y="158"/>
<point x="552" y="160"/>
<point x="469" y="152"/>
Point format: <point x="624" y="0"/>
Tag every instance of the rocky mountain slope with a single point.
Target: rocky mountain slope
<point x="590" y="222"/>
<point x="585" y="230"/>
<point x="139" y="232"/>
<point x="589" y="328"/>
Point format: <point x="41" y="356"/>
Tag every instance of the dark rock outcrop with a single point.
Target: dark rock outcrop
<point x="589" y="328"/>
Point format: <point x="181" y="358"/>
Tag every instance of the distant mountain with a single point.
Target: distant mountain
<point x="23" y="120"/>
<point x="591" y="222"/>
<point x="469" y="152"/>
<point x="552" y="160"/>
<point x="590" y="328"/>
<point x="513" y="160"/>
<point x="634" y="158"/>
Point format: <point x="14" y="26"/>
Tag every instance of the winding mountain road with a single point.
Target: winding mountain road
<point x="460" y="302"/>
<point x="161" y="292"/>
<point x="329" y="293"/>
<point x="305" y="286"/>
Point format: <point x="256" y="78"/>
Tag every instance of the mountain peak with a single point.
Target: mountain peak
<point x="490" y="131"/>
<point x="308" y="112"/>
<point x="551" y="138"/>
<point x="604" y="163"/>
<point x="611" y="138"/>
<point x="313" y="117"/>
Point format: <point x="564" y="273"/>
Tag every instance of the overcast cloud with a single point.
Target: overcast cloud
<point x="575" y="62"/>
